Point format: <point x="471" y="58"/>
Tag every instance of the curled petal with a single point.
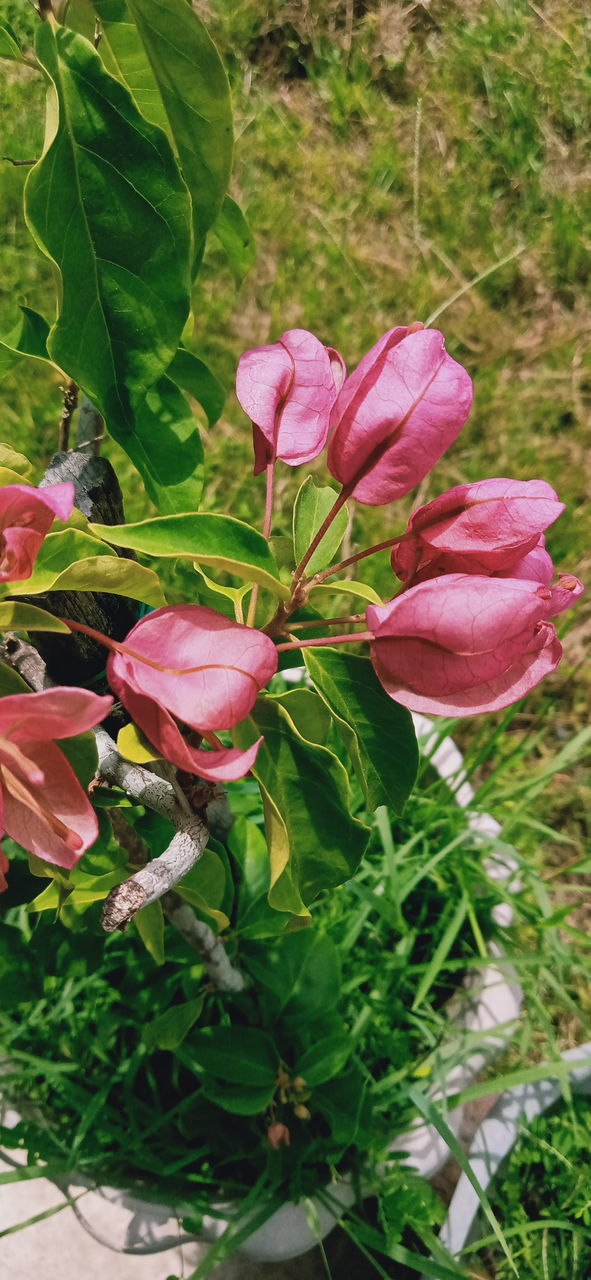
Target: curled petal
<point x="565" y="593"/>
<point x="56" y="820"/>
<point x="26" y="516"/>
<point x="288" y="390"/>
<point x="163" y="732"/>
<point x="393" y="421"/>
<point x="60" y="712"/>
<point x="226" y="665"/>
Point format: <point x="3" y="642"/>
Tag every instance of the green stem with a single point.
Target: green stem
<point x="326" y="622"/>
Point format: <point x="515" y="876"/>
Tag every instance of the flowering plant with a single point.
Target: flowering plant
<point x="132" y="815"/>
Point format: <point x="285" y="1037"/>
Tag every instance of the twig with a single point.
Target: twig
<point x="16" y="163"/>
<point x="26" y="661"/>
<point x="158" y="876"/>
<point x="70" y="402"/>
<point x="199" y="935"/>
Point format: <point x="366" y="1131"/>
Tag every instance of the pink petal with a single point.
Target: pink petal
<point x="59" y="498"/>
<point x="235" y="662"/>
<point x="565" y="593"/>
<point x="60" y="712"/>
<point x="61" y="795"/>
<point x="288" y="390"/>
<point x="406" y="409"/>
<point x="487" y="695"/>
<point x="461" y="612"/>
<point x="263" y="379"/>
<point x="162" y="731"/>
<point x="536" y="565"/>
<point x="4" y="866"/>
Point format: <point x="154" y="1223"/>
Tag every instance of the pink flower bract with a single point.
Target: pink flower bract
<point x="218" y="669"/>
<point x="464" y="643"/>
<point x="43" y="805"/>
<point x="486" y="527"/>
<point x="396" y="414"/>
<point x="26" y="516"/>
<point x="288" y="389"/>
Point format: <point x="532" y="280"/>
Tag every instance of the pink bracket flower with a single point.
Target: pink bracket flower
<point x="288" y="389"/>
<point x="464" y="643"/>
<point x="191" y="663"/>
<point x="42" y="804"/>
<point x="26" y="516"/>
<point x="486" y="527"/>
<point x="396" y="414"/>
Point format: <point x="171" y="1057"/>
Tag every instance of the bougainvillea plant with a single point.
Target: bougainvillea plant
<point x="131" y="180"/>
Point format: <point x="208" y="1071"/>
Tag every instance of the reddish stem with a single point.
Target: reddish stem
<point x="326" y="622"/>
<point x="339" y="502"/>
<point x="308" y="644"/>
<point x="361" y="555"/>
<point x="267" y="525"/>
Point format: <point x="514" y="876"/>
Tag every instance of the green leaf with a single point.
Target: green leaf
<point x="219" y="541"/>
<point x="196" y="95"/>
<point x="27" y="617"/>
<point x="204" y="887"/>
<point x="122" y="52"/>
<point x="239" y="1100"/>
<point x="236" y="239"/>
<point x="313" y="841"/>
<point x="149" y="923"/>
<point x="344" y="587"/>
<point x="325" y="1059"/>
<point x="311" y="507"/>
<point x="254" y="917"/>
<point x="132" y="744"/>
<point x="309" y="713"/>
<point x="378" y="732"/>
<point x="81" y="753"/>
<point x="303" y="972"/>
<point x="71" y="560"/>
<point x="106" y="202"/>
<point x="28" y="339"/>
<point x="9" y="45"/>
<point x="11" y="682"/>
<point x="235" y="1054"/>
<point x="193" y="376"/>
<point x="16" y="461"/>
<point x="170" y="1028"/>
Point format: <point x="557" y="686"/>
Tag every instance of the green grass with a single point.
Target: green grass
<point x="386" y="155"/>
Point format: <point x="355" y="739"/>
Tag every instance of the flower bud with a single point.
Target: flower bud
<point x="278" y="1135"/>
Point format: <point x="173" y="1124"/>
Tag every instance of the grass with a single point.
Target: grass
<point x="387" y="154"/>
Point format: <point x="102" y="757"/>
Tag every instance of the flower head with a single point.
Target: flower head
<point x="486" y="527"/>
<point x="190" y="663"/>
<point x="42" y="804"/>
<point x="26" y="516"/>
<point x="396" y="414"/>
<point x="288" y="389"/>
<point x="465" y="643"/>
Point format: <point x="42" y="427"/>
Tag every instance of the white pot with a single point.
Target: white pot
<point x="497" y="1135"/>
<point x="486" y="1009"/>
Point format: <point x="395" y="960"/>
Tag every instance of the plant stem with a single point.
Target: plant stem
<point x="326" y="622"/>
<point x="308" y="644"/>
<point x="339" y="502"/>
<point x="360" y="555"/>
<point x="70" y="403"/>
<point x="267" y="525"/>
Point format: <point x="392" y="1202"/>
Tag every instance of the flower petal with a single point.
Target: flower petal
<point x="162" y="731"/>
<point x="61" y="796"/>
<point x="60" y="712"/>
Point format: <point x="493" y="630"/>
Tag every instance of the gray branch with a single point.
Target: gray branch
<point x="199" y="935"/>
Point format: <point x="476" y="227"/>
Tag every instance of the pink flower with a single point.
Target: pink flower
<point x="215" y="668"/>
<point x="486" y="527"/>
<point x="465" y="643"/>
<point x="42" y="804"/>
<point x="288" y="390"/>
<point x="278" y="1135"/>
<point x="26" y="516"/>
<point x="396" y="414"/>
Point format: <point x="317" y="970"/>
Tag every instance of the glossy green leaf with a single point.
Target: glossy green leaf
<point x="194" y="377"/>
<point x="81" y="753"/>
<point x="308" y="712"/>
<point x="234" y="594"/>
<point x="9" y="45"/>
<point x="204" y="887"/>
<point x="302" y="970"/>
<point x="254" y="917"/>
<point x="236" y="239"/>
<point x="132" y="745"/>
<point x="344" y="587"/>
<point x="196" y="95"/>
<point x="313" y="841"/>
<point x="107" y="203"/>
<point x="149" y="923"/>
<point x="16" y="461"/>
<point x="238" y="1099"/>
<point x="169" y="1030"/>
<point x="121" y="50"/>
<point x="325" y="1059"/>
<point x="27" y="340"/>
<point x="238" y="1055"/>
<point x="11" y="682"/>
<point x="15" y="616"/>
<point x="377" y="731"/>
<point x="312" y="505"/>
<point x="72" y="560"/>
<point x="218" y="541"/>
